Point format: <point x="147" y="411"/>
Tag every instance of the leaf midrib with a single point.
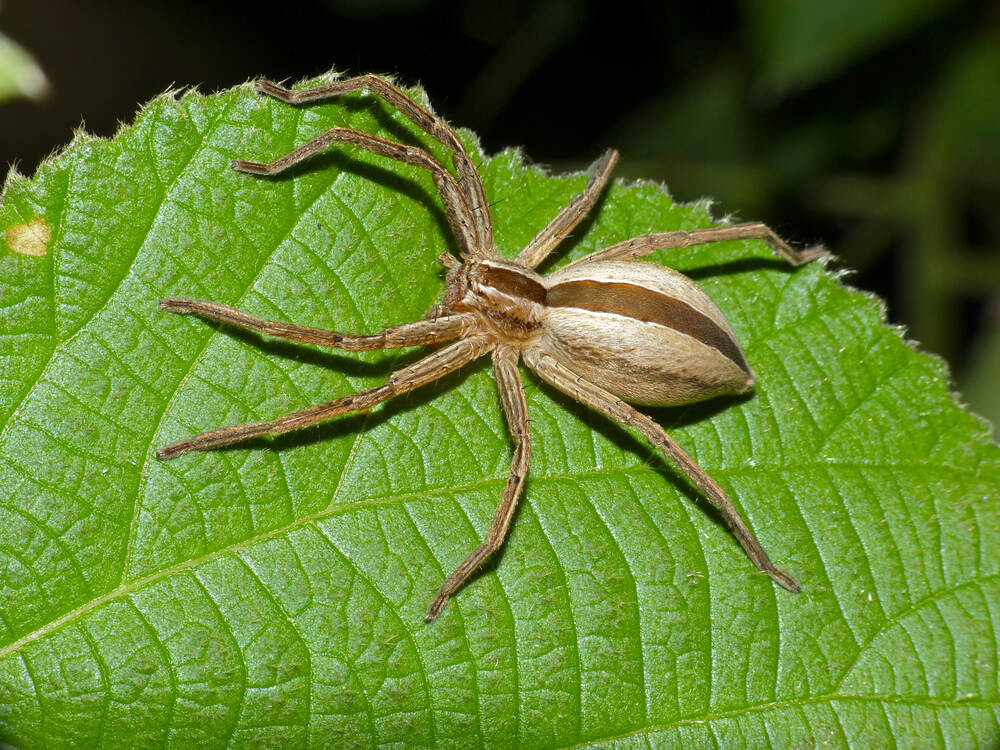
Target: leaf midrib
<point x="331" y="511"/>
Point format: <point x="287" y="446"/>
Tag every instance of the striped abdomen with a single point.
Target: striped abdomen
<point x="647" y="334"/>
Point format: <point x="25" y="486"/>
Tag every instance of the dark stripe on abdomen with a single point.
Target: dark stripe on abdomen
<point x="644" y="304"/>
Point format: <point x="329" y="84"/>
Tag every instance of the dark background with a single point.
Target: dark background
<point x="874" y="127"/>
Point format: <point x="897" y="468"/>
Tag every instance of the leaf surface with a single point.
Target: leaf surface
<point x="273" y="594"/>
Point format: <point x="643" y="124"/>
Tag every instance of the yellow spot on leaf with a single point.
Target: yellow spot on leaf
<point x="31" y="238"/>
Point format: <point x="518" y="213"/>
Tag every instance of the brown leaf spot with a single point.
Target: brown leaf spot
<point x="31" y="238"/>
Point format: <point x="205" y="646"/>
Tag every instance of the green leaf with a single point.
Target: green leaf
<point x="273" y="595"/>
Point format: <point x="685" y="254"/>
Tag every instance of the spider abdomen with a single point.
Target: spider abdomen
<point x="644" y="332"/>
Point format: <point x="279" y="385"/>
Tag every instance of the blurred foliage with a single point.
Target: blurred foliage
<point x="802" y="43"/>
<point x="20" y="75"/>
<point x="980" y="384"/>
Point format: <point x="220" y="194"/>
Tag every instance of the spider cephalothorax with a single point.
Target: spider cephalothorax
<point x="604" y="329"/>
<point x="506" y="296"/>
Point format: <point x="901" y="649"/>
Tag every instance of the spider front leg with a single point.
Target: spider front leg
<point x="469" y="180"/>
<point x="566" y="220"/>
<point x="419" y="333"/>
<point x="424" y="371"/>
<point x="565" y="380"/>
<point x="639" y="247"/>
<point x="515" y="407"/>
<point x="460" y="215"/>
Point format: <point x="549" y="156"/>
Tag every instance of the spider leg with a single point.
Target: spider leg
<point x="566" y="220"/>
<point x="597" y="398"/>
<point x="460" y="216"/>
<point x="515" y="407"/>
<point x="418" y="333"/>
<point x="468" y="176"/>
<point x="424" y="371"/>
<point x="638" y="247"/>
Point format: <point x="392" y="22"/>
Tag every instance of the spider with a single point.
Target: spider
<point x="604" y="329"/>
